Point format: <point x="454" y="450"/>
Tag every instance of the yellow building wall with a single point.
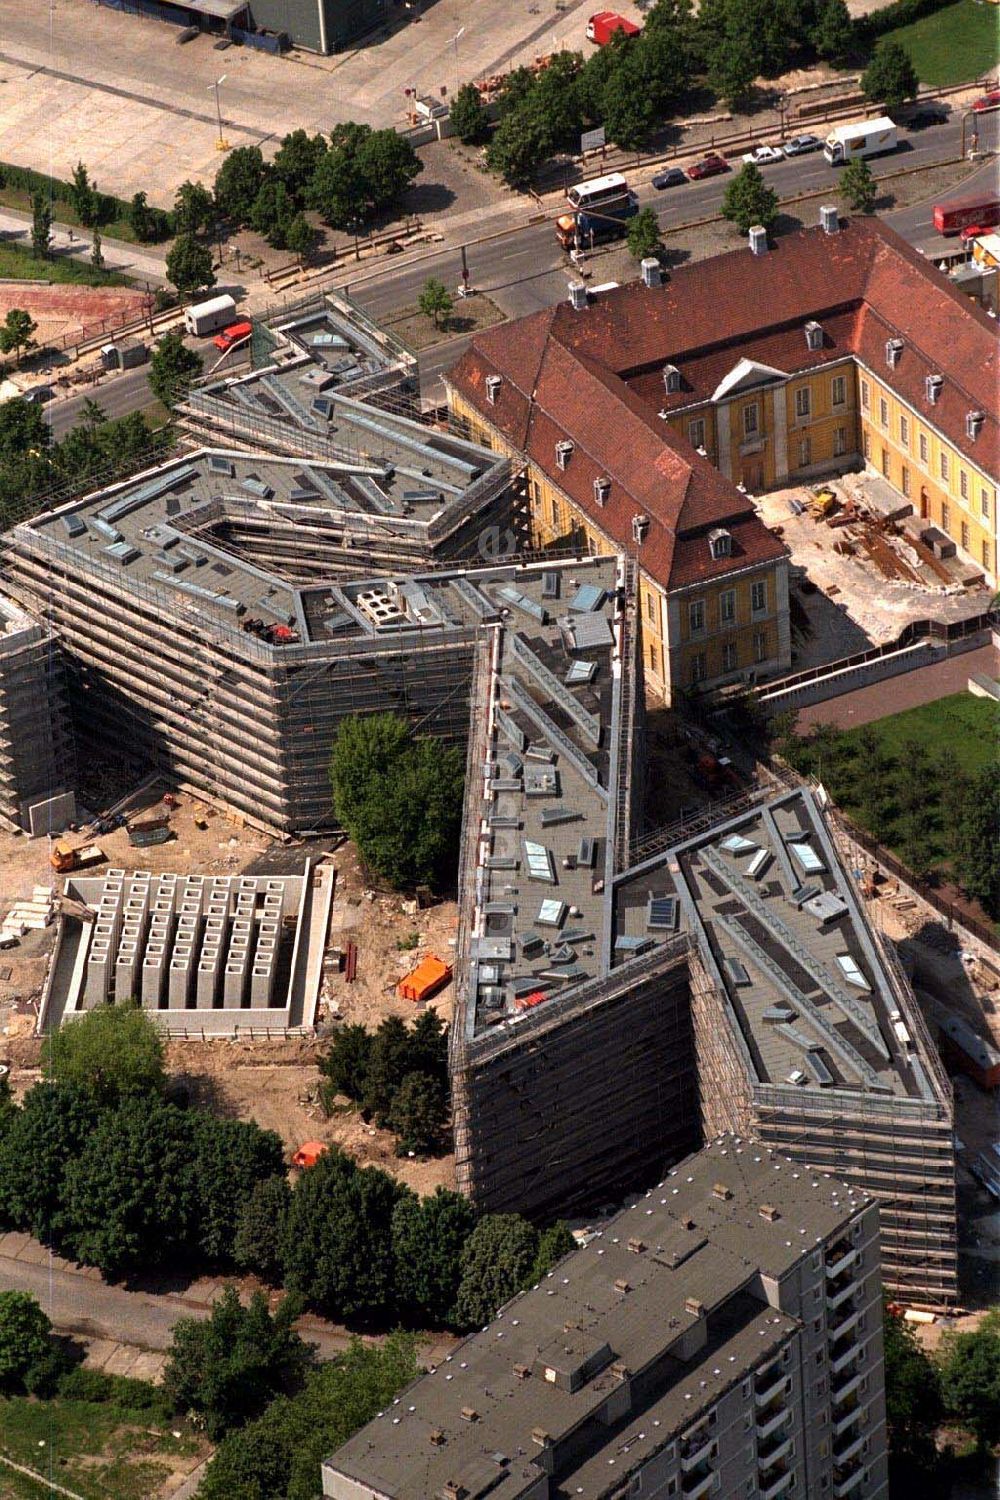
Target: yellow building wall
<point x="755" y="637"/>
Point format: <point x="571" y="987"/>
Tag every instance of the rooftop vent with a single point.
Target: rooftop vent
<point x="933" y="385"/>
<point x="973" y="421"/>
<point x="540" y="1436"/>
<point x="758" y="239"/>
<point x="621" y="1285"/>
<point x="694" y="1307"/>
<point x="687" y="1223"/>
<point x="814" y="336"/>
<point x="469" y="1414"/>
<point x="492" y="388"/>
<point x="893" y="352"/>
<point x="720" y="543"/>
<point x="652" y="272"/>
<point x="719" y="1190"/>
<point x="453" y="1489"/>
<point x="563" y="451"/>
<point x="602" y="490"/>
<point x="620" y="1370"/>
<point x="636" y="1246"/>
<point x="829" y="218"/>
<point x="523" y="1372"/>
<point x="769" y="1212"/>
<point x="436" y="1436"/>
<point x="671" y="379"/>
<point x="577" y="295"/>
<point x="640" y="528"/>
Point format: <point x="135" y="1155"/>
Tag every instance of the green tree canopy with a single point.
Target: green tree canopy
<point x="260" y="1230"/>
<point x="428" y="1237"/>
<point x="229" y="1366"/>
<point x="520" y="143"/>
<point x="977" y="840"/>
<point x="833" y="33"/>
<point x="84" y="195"/>
<point x="553" y="1244"/>
<point x="238" y="181"/>
<point x="970" y="1379"/>
<point x="748" y="200"/>
<point x="172" y="369"/>
<point x="890" y="78"/>
<point x="497" y="1261"/>
<point x="189" y="265"/>
<point x="41" y="225"/>
<point x="435" y="300"/>
<point x="272" y="212"/>
<point x="302" y="238"/>
<point x="644" y="235"/>
<point x="858" y="187"/>
<point x="468" y="117"/>
<point x="112" y="1052"/>
<point x="733" y="68"/>
<point x="24" y="1339"/>
<point x="296" y="161"/>
<point x="17" y="332"/>
<point x="194" y="208"/>
<point x="627" y="110"/>
<point x="418" y="1115"/>
<point x="399" y="796"/>
<point x="231" y="1157"/>
<point x="338" y="1240"/>
<point x="41" y="1140"/>
<point x="363" y="171"/>
<point x="912" y="1393"/>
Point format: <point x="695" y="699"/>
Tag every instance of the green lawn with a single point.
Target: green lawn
<point x="22" y="265"/>
<point x="97" y="1449"/>
<point x="954" y="45"/>
<point x="62" y="213"/>
<point x="964" y="728"/>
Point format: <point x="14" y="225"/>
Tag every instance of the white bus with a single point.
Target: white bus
<point x="598" y="192"/>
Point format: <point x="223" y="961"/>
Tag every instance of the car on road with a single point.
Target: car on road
<point x="672" y="177"/>
<point x="987" y="101"/>
<point x="800" y="145"/>
<point x="762" y="156"/>
<point x="38" y="394"/>
<point x="236" y="333"/>
<point x="709" y="166"/>
<point x="930" y="115"/>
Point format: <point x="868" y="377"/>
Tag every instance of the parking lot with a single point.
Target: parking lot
<point x="80" y="82"/>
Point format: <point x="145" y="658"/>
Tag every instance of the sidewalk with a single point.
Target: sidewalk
<point x="138" y="260"/>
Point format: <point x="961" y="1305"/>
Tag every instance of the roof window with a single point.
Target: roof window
<point x="814" y="336"/>
<point x="933" y="385"/>
<point x="720" y="543"/>
<point x="640" y="528"/>
<point x="602" y="490"/>
<point x="973" y="422"/>
<point x="671" y="379"/>
<point x="492" y="388"/>
<point x="563" y="451"/>
<point x="893" y="352"/>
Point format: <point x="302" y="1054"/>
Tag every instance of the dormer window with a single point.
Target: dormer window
<point x="720" y="544"/>
<point x="563" y="451"/>
<point x="973" y="421"/>
<point x="814" y="336"/>
<point x="492" y="388"/>
<point x="933" y="385"/>
<point x="640" y="526"/>
<point x="602" y="490"/>
<point x="893" y="352"/>
<point x="671" y="379"/>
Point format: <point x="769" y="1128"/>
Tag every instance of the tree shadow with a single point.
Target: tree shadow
<point x="786" y="223"/>
<point x="427" y="198"/>
<point x="672" y="256"/>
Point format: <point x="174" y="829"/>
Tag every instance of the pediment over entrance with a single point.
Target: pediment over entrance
<point x="744" y="376"/>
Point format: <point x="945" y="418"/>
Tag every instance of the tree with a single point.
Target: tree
<point x="977" y="840"/>
<point x="833" y="34"/>
<point x="113" y="1052"/>
<point x="272" y="212"/>
<point x="970" y="1379"/>
<point x="400" y="798"/>
<point x="890" y="78"/>
<point x="346" y="1063"/>
<point x="172" y="368"/>
<point x="428" y="1237"/>
<point x="733" y="70"/>
<point x="644" y="235"/>
<point x="338" y="1239"/>
<point x="388" y="1065"/>
<point x="521" y="142"/>
<point x="858" y="187"/>
<point x="25" y="1339"/>
<point x="363" y="171"/>
<point x="912" y="1395"/>
<point x="302" y="238"/>
<point x="17" y="332"/>
<point x="231" y="1158"/>
<point x="296" y="161"/>
<point x="748" y="200"/>
<point x="418" y="1115"/>
<point x="131" y="1197"/>
<point x="41" y="225"/>
<point x="96" y="253"/>
<point x="238" y="181"/>
<point x="194" y="208"/>
<point x="42" y="1138"/>
<point x="139" y="216"/>
<point x="553" y="1244"/>
<point x="229" y="1366"/>
<point x="627" y="108"/>
<point x="189" y="265"/>
<point x="260" y="1229"/>
<point x="435" y="300"/>
<point x="496" y="1262"/>
<point x="387" y="164"/>
<point x="468" y="117"/>
<point x="84" y="195"/>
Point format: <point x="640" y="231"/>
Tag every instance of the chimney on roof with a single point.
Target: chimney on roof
<point x="814" y="336"/>
<point x="829" y="218"/>
<point x="622" y="1286"/>
<point x="436" y="1436"/>
<point x="694" y="1307"/>
<point x="933" y="385"/>
<point x="602" y="491"/>
<point x="636" y="1246"/>
<point x="720" y="1190"/>
<point x="758" y="239"/>
<point x="671" y="379"/>
<point x="893" y="352"/>
<point x="769" y="1212"/>
<point x="973" y="421"/>
<point x="640" y="528"/>
<point x="652" y="271"/>
<point x="492" y="388"/>
<point x="577" y="296"/>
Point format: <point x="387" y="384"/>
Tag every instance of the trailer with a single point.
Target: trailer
<point x="206" y="317"/>
<point x="859" y="140"/>
<point x="606" y="24"/>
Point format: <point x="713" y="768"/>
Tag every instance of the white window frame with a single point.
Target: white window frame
<point x="803" y="403"/>
<point x="727" y="607"/>
<point x="696" y="616"/>
<point x="865" y="396"/>
<point x="758" y="590"/>
<point x="839" y="383"/>
<point x="751" y="419"/>
<point x="904" y="430"/>
<point x="730" y="658"/>
<point x="839" y="442"/>
<point x="696" y="432"/>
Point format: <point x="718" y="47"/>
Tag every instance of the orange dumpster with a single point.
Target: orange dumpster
<point x="425" y="980"/>
<point x="309" y="1154"/>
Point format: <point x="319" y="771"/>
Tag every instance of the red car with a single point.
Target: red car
<point x="234" y="334"/>
<point x="988" y="101"/>
<point x="709" y="166"/>
<point x="972" y="232"/>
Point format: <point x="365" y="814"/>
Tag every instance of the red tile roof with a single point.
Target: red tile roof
<point x="594" y="376"/>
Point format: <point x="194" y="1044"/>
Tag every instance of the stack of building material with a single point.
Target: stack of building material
<point x="30" y="915"/>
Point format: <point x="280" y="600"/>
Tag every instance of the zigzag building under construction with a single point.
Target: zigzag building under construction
<point x="320" y="552"/>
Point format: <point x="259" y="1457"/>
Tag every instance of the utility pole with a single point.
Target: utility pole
<point x="221" y="144"/>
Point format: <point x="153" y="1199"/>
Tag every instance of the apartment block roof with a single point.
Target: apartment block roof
<point x="668" y="1296"/>
<point x="594" y="376"/>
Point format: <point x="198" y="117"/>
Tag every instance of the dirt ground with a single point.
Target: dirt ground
<point x="418" y="331"/>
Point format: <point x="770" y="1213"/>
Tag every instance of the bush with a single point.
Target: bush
<point x="99" y="1389"/>
<point x="113" y="1052"/>
<point x="497" y="1262"/>
<point x="25" y="1338"/>
<point x="260" y="1230"/>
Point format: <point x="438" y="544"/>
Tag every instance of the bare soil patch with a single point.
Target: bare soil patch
<point x="470" y="314"/>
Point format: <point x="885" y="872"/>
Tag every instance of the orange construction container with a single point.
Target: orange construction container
<point x="309" y="1154"/>
<point x="425" y="980"/>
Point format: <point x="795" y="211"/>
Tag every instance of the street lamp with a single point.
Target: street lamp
<point x="221" y="144"/>
<point x="459" y="33"/>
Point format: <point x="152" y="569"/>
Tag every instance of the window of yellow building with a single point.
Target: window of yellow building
<point x="905" y="480"/>
<point x="945" y="465"/>
<point x="803" y="406"/>
<point x="805" y="452"/>
<point x="922" y="443"/>
<point x="654" y="658"/>
<point x="758" y="596"/>
<point x="965" y="536"/>
<point x="886" y="465"/>
<point x="986" y="556"/>
<point x="963" y="484"/>
<point x="866" y="398"/>
<point x="696" y="432"/>
<point x="839" y="442"/>
<point x="883" y="411"/>
<point x="760" y="645"/>
<point x="867" y="445"/>
<point x="727" y="606"/>
<point x="696" y="616"/>
<point x="984" y="502"/>
<point x="751" y="419"/>
<point x="904" y="431"/>
<point x="945" y="515"/>
<point x="699" y="667"/>
<point x="729" y="656"/>
<point x="838" y="390"/>
<point x="651" y="608"/>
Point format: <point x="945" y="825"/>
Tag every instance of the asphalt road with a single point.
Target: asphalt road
<point x="117" y="397"/>
<point x="521" y="262"/>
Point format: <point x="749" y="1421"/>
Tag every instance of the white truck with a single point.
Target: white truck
<point x="860" y="139"/>
<point x="207" y="317"/>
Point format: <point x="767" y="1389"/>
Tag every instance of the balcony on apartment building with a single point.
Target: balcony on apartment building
<point x="839" y="1258"/>
<point x="699" y="1482"/>
<point x="696" y="1450"/>
<point x="849" y="1318"/>
<point x="848" y="1447"/>
<point x="769" y="1422"/>
<point x="772" y="1452"/>
<point x="769" y="1384"/>
<point x="838" y="1291"/>
<point x="847" y="1479"/>
<point x="777" y="1485"/>
<point x="839" y="1392"/>
<point x="848" y="1411"/>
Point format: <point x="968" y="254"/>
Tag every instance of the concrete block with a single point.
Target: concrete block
<point x="113" y="874"/>
<point x="234" y="984"/>
<point x="261" y="986"/>
<point x="178" y="983"/>
<point x="206" y="985"/>
<point x="53" y="815"/>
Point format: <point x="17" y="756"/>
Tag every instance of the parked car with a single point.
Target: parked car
<point x="929" y="115"/>
<point x="709" y="166"/>
<point x="762" y="156"/>
<point x="799" y="145"/>
<point x="672" y="177"/>
<point x="236" y="333"/>
<point x="987" y="101"/>
<point x="38" y="394"/>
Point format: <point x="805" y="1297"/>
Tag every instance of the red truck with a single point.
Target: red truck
<point x="602" y="27"/>
<point x="958" y="213"/>
<point x="234" y="334"/>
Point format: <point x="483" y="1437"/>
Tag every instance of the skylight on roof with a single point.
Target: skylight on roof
<point x="580" y="672"/>
<point x="587" y="598"/>
<point x="852" y="972"/>
<point x="735" y="843"/>
<point x="661" y="913"/>
<point x="551" y="913"/>
<point x="539" y="862"/>
<point x="806" y="857"/>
